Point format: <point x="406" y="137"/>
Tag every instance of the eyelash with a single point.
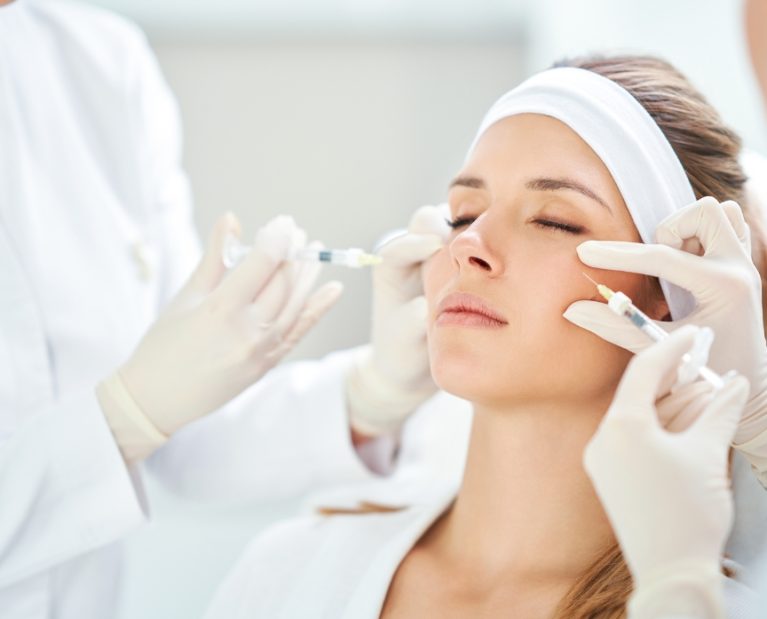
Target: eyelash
<point x="543" y="223"/>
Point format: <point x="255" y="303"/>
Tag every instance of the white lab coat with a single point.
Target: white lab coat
<point x="340" y="567"/>
<point x="96" y="234"/>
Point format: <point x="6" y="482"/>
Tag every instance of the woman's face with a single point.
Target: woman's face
<point x="530" y="193"/>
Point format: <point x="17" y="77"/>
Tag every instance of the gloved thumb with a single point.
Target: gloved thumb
<point x="602" y="321"/>
<point x="431" y="220"/>
<point x="211" y="269"/>
<point x="409" y="250"/>
<point x="411" y="320"/>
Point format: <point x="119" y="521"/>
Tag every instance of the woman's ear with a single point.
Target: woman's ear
<point x="659" y="309"/>
<point x="655" y="304"/>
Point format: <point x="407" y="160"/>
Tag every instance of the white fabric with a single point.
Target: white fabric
<point x="340" y="567"/>
<point x="624" y="136"/>
<point x="95" y="234"/>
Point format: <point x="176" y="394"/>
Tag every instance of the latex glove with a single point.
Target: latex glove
<point x="391" y="376"/>
<point x="667" y="494"/>
<point x="726" y="287"/>
<point x="222" y="332"/>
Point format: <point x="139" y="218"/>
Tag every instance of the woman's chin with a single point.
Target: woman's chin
<point x="466" y="378"/>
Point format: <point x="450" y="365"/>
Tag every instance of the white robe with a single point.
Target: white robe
<point x="341" y="566"/>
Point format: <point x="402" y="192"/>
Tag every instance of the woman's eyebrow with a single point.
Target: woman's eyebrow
<point x="555" y="184"/>
<point x="468" y="181"/>
<point x="535" y="184"/>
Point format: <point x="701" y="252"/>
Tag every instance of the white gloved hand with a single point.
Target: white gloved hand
<point x="667" y="494"/>
<point x="391" y="376"/>
<point x="223" y="331"/>
<point x="726" y="287"/>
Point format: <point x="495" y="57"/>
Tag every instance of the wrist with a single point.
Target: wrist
<point x="135" y="434"/>
<point x="680" y="589"/>
<point x="377" y="404"/>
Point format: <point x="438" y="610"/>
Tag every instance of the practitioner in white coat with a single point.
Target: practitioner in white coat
<point x="96" y="236"/>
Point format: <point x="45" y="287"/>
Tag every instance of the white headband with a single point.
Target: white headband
<point x="624" y="136"/>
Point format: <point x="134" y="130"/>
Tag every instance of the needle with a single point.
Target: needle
<point x="588" y="278"/>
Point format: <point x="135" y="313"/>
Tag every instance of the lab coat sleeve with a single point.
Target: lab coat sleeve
<point x="64" y="488"/>
<point x="167" y="193"/>
<point x="287" y="434"/>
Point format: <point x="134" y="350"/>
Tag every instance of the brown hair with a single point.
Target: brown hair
<point x="708" y="151"/>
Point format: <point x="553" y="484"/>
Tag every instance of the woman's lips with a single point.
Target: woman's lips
<point x="467" y="310"/>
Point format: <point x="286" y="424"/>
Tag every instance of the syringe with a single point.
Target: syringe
<point x="235" y="251"/>
<point x="620" y="304"/>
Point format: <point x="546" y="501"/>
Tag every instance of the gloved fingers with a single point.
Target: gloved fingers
<point x="210" y="270"/>
<point x="272" y="299"/>
<point x="719" y="420"/>
<point x="691" y="272"/>
<point x="706" y="221"/>
<point x="281" y="299"/>
<point x="409" y="250"/>
<point x="646" y="373"/>
<point x="272" y="246"/>
<point x="430" y="220"/>
<point x="315" y="308"/>
<point x="301" y="288"/>
<point x="603" y="322"/>
<point x="678" y="410"/>
<point x="738" y="221"/>
<point x="410" y="320"/>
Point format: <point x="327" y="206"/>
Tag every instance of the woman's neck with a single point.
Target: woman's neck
<point x="526" y="507"/>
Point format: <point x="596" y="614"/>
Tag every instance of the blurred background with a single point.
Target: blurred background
<point x="348" y="114"/>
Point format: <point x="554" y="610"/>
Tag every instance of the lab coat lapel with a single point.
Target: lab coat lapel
<point x="25" y="373"/>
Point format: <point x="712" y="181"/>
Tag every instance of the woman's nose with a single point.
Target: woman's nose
<point x="471" y="251"/>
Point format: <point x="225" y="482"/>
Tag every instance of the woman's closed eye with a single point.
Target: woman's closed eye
<point x="460" y="222"/>
<point x="551" y="224"/>
<point x="563" y="226"/>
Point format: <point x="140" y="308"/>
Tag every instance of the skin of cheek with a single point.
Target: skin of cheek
<point x="539" y="355"/>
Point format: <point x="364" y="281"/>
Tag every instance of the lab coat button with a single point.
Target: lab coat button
<point x="142" y="254"/>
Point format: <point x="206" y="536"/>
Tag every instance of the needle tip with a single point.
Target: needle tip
<point x="603" y="290"/>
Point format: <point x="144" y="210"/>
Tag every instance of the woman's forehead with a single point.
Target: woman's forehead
<point x="534" y="145"/>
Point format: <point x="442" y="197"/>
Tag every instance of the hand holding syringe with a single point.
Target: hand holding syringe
<point x="693" y="362"/>
<point x="234" y="252"/>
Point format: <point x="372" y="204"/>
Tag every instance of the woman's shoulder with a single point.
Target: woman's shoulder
<point x="314" y="564"/>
